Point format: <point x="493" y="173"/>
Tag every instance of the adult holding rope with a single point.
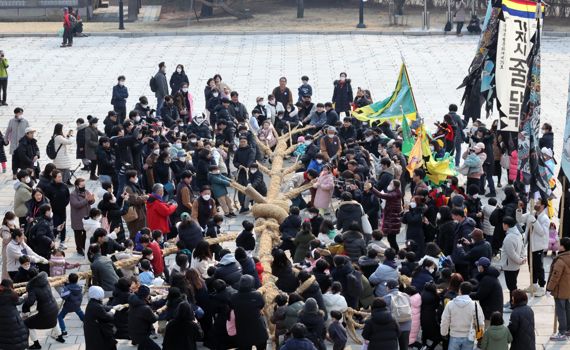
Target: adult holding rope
<point x="38" y="292"/>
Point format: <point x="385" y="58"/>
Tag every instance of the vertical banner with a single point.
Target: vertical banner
<point x="513" y="48"/>
<point x="565" y="160"/>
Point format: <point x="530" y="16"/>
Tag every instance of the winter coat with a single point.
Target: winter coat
<point x="310" y="289"/>
<point x="41" y="237"/>
<point x="137" y="201"/>
<point x="286" y="279"/>
<point x="228" y="270"/>
<point x="98" y="327"/>
<point x="292" y="314"/>
<point x="14" y="251"/>
<point x="72" y="294"/>
<point x="24" y="154"/>
<point x="141" y="319"/>
<point x="354" y="245"/>
<point x="80" y="141"/>
<point x="302" y="242"/>
<point x="496" y="338"/>
<point x="180" y="335"/>
<point x="158" y="213"/>
<point x="559" y="281"/>
<point x="421" y="278"/>
<point x="39" y="293"/>
<point x="58" y="195"/>
<point x="446" y="236"/>
<point x="120" y="318"/>
<point x="80" y="208"/>
<point x="190" y="234"/>
<point x="258" y="183"/>
<point x="325" y="187"/>
<point x="415" y="230"/>
<point x="521" y="326"/>
<point x="540" y="229"/>
<point x="219" y="184"/>
<point x="248" y="268"/>
<point x="247" y="305"/>
<point x="381" y="330"/>
<point x="513" y="165"/>
<point x="489" y="291"/>
<point x="176" y="80"/>
<point x="15" y="132"/>
<point x="459" y="314"/>
<point x="476" y="251"/>
<point x="92" y="142"/>
<point x="391" y="215"/>
<point x="334" y="302"/>
<point x="103" y="273"/>
<point x="428" y="314"/>
<point x="347" y="214"/>
<point x="13" y="333"/>
<point x="290" y="227"/>
<point x="315" y="323"/>
<point x="513" y="250"/>
<point x="459" y="14"/>
<point x="366" y="297"/>
<point x="298" y="344"/>
<point x="21" y="196"/>
<point x="367" y="265"/>
<point x="106" y="161"/>
<point x="383" y="274"/>
<point x="162" y="85"/>
<point x="64" y="158"/>
<point x="416" y="304"/>
<point x="342" y="95"/>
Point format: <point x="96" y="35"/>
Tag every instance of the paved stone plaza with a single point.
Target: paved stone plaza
<point x="55" y="84"/>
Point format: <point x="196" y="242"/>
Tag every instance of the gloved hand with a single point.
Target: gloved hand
<point x="119" y="307"/>
<point x="44" y="261"/>
<point x="155" y="298"/>
<point x="25" y="315"/>
<point x="112" y="311"/>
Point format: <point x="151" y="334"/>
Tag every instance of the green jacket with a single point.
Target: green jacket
<point x="496" y="338"/>
<point x="4" y="68"/>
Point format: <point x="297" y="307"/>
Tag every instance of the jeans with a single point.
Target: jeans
<point x="62" y="315"/>
<point x="159" y="103"/>
<point x="488" y="176"/>
<point x="67" y="36"/>
<point x="3" y="89"/>
<point x="460" y="343"/>
<point x="538" y="268"/>
<point x="562" y="308"/>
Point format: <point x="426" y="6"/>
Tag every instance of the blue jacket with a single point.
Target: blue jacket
<point x="72" y="294"/>
<point x="298" y="344"/>
<point x="120" y="95"/>
<point x="315" y="165"/>
<point x="421" y="278"/>
<point x="219" y="184"/>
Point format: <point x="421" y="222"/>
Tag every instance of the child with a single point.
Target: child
<point x="23" y="273"/>
<point x="258" y="268"/>
<point x="146" y="276"/>
<point x="181" y="264"/>
<point x="138" y="245"/>
<point x="488" y="209"/>
<point x="72" y="295"/>
<point x="553" y="240"/>
<point x="409" y="264"/>
<point x="337" y="333"/>
<point x="182" y="249"/>
<point x="58" y="265"/>
<point x="2" y="152"/>
<point x="278" y="317"/>
<point x="301" y="147"/>
<point x="128" y="253"/>
<point x="377" y="243"/>
<point x="337" y="248"/>
<point x="245" y="239"/>
<point x="497" y="336"/>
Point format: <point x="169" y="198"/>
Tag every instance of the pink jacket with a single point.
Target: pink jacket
<point x="325" y="186"/>
<point x="513" y="165"/>
<point x="416" y="303"/>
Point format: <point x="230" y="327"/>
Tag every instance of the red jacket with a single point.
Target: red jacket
<point x="66" y="21"/>
<point x="157" y="214"/>
<point x="157" y="259"/>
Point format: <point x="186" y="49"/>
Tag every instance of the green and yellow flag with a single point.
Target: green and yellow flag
<point x="408" y="139"/>
<point x="401" y="102"/>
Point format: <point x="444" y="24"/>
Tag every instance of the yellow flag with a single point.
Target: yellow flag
<point x="415" y="159"/>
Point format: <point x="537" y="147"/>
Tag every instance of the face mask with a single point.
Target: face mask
<point x="156" y="151"/>
<point x="182" y="159"/>
<point x="438" y="216"/>
<point x="431" y="270"/>
<point x="136" y="180"/>
<point x="313" y="216"/>
<point x="475" y="196"/>
<point x="253" y="171"/>
<point x="26" y="267"/>
<point x="368" y="138"/>
<point x="319" y="161"/>
<point x="193" y="140"/>
<point x="184" y="89"/>
<point x="206" y="197"/>
<point x="330" y="135"/>
<point x="113" y="200"/>
<point x="121" y="83"/>
<point x="413" y="205"/>
<point x="81" y="189"/>
<point x="178" y="144"/>
<point x="98" y="218"/>
<point x="27" y="180"/>
<point x="144" y="106"/>
<point x="179" y="70"/>
<point x="49" y="214"/>
<point x="390" y="187"/>
<point x="308" y="142"/>
<point x="137" y="119"/>
<point x="215" y="94"/>
<point x="12" y="222"/>
<point x="151" y="257"/>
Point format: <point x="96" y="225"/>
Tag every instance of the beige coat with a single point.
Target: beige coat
<point x="64" y="158"/>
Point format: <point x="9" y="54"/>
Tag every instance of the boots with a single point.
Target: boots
<point x="35" y="345"/>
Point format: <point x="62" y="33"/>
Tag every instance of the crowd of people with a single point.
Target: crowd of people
<point x="164" y="178"/>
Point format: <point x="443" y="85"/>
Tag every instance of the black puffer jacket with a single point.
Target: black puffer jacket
<point x="121" y="318"/>
<point x="286" y="280"/>
<point x="39" y="293"/>
<point x="141" y="319"/>
<point x="41" y="237"/>
<point x="310" y="289"/>
<point x="381" y="330"/>
<point x="13" y="333"/>
<point x="354" y="245"/>
<point x="247" y="304"/>
<point x="229" y="270"/>
<point x="521" y="327"/>
<point x="98" y="327"/>
<point x="315" y="323"/>
<point x="348" y="213"/>
<point x="489" y="291"/>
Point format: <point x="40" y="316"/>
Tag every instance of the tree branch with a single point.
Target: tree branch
<point x="293" y="168"/>
<point x="295" y="131"/>
<point x="297" y="191"/>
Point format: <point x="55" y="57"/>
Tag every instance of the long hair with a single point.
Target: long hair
<point x="58" y="129"/>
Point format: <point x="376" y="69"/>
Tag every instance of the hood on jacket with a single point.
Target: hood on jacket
<point x="381" y="316"/>
<point x="462" y="300"/>
<point x="82" y="126"/>
<point x="350" y="236"/>
<point x="497" y="333"/>
<point x="153" y="198"/>
<point x="135" y="301"/>
<point x="490" y="271"/>
<point x="346" y="81"/>
<point x="227" y="259"/>
<point x="311" y="306"/>
<point x="39" y="281"/>
<point x="350" y="207"/>
<point x="513" y="231"/>
<point x="246" y="283"/>
<point x="17" y="185"/>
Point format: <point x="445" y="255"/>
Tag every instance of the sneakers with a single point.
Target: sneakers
<point x="499" y="185"/>
<point x="94" y="178"/>
<point x="243" y="210"/>
<point x="530" y="289"/>
<point x="62" y="246"/>
<point x="539" y="292"/>
<point x="35" y="345"/>
<point x="555" y="337"/>
<point x="507" y="308"/>
<point x="60" y="339"/>
<point x="64" y="333"/>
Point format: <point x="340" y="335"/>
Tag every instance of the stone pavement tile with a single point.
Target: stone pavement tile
<point x="65" y="346"/>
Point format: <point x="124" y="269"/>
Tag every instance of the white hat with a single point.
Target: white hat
<point x="547" y="151"/>
<point x="29" y="129"/>
<point x="96" y="292"/>
<point x="480" y="146"/>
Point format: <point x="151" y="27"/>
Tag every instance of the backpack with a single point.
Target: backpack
<point x="447" y="27"/>
<point x="50" y="148"/>
<point x="401" y="307"/>
<point x="354" y="283"/>
<point x="72" y="21"/>
<point x="153" y="84"/>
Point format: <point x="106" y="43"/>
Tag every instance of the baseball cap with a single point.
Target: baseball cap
<point x="483" y="261"/>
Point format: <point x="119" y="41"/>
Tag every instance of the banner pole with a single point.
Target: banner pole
<point x="530" y="250"/>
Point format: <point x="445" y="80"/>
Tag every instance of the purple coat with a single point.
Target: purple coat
<point x="391" y="215"/>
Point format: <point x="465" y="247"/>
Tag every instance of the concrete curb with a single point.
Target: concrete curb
<point x="347" y="32"/>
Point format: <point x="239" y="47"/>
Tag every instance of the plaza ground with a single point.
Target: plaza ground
<point x="55" y="84"/>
